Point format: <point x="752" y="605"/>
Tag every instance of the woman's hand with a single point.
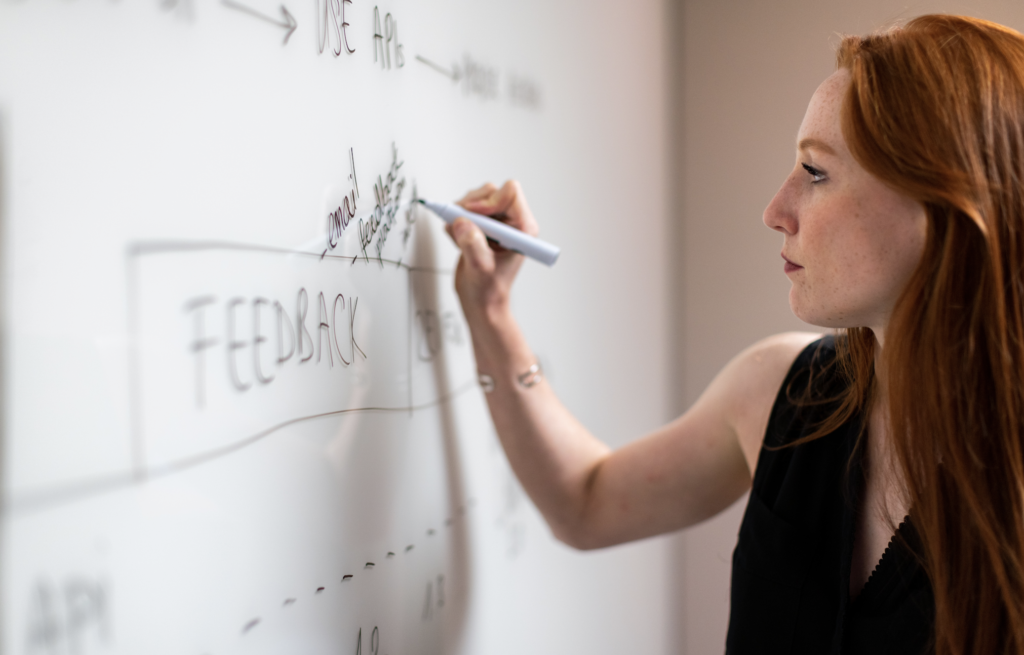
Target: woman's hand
<point x="484" y="276"/>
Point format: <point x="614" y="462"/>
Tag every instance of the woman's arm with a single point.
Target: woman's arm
<point x="591" y="496"/>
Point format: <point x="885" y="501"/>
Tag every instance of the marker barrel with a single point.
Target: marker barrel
<point x="506" y="235"/>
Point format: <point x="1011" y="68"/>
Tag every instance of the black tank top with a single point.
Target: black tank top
<point x="791" y="566"/>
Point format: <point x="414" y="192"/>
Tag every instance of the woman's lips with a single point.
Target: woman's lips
<point x="790" y="266"/>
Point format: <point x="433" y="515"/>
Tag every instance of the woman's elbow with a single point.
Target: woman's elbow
<point x="578" y="536"/>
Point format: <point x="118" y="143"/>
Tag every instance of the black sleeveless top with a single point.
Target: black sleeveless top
<point x="791" y="566"/>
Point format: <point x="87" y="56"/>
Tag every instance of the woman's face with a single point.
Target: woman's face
<point x="850" y="243"/>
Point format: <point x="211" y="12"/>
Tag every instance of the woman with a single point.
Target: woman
<point x="893" y="451"/>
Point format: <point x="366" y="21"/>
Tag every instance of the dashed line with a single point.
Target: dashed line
<point x="368" y="566"/>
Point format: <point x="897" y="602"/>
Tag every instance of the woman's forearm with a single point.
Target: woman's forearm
<point x="555" y="458"/>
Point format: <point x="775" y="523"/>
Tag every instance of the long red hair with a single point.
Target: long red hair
<point x="936" y="110"/>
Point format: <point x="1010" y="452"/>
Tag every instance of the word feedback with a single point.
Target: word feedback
<point x="273" y="338"/>
<point x="387" y="191"/>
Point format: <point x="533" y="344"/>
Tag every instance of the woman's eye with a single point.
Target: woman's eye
<point x="816" y="175"/>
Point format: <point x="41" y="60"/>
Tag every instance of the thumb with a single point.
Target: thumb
<point x="473" y="244"/>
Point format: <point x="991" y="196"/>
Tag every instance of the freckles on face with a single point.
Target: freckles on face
<point x="856" y="240"/>
<point x="863" y="250"/>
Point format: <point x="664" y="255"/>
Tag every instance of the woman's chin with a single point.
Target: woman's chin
<point x="814" y="314"/>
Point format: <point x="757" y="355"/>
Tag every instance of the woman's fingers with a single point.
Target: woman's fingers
<point x="484" y="275"/>
<point x="476" y="194"/>
<point x="507" y="204"/>
<point x="494" y="201"/>
<point x="473" y="244"/>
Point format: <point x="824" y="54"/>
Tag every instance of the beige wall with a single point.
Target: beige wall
<point x="747" y="69"/>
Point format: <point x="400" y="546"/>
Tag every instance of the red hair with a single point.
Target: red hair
<point x="936" y="110"/>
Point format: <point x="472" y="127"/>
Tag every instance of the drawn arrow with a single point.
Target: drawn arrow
<point x="454" y="74"/>
<point x="289" y="21"/>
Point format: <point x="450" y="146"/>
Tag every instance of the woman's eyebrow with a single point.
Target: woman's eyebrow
<point x="816" y="144"/>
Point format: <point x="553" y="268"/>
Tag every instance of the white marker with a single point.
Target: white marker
<point x="506" y="235"/>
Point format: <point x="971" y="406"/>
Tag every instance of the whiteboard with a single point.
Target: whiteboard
<point x="240" y="407"/>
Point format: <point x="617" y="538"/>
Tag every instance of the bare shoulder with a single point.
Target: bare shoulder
<point x="748" y="385"/>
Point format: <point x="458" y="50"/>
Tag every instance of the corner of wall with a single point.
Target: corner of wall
<point x="675" y="46"/>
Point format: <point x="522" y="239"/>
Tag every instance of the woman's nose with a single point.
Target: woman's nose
<point x="779" y="214"/>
